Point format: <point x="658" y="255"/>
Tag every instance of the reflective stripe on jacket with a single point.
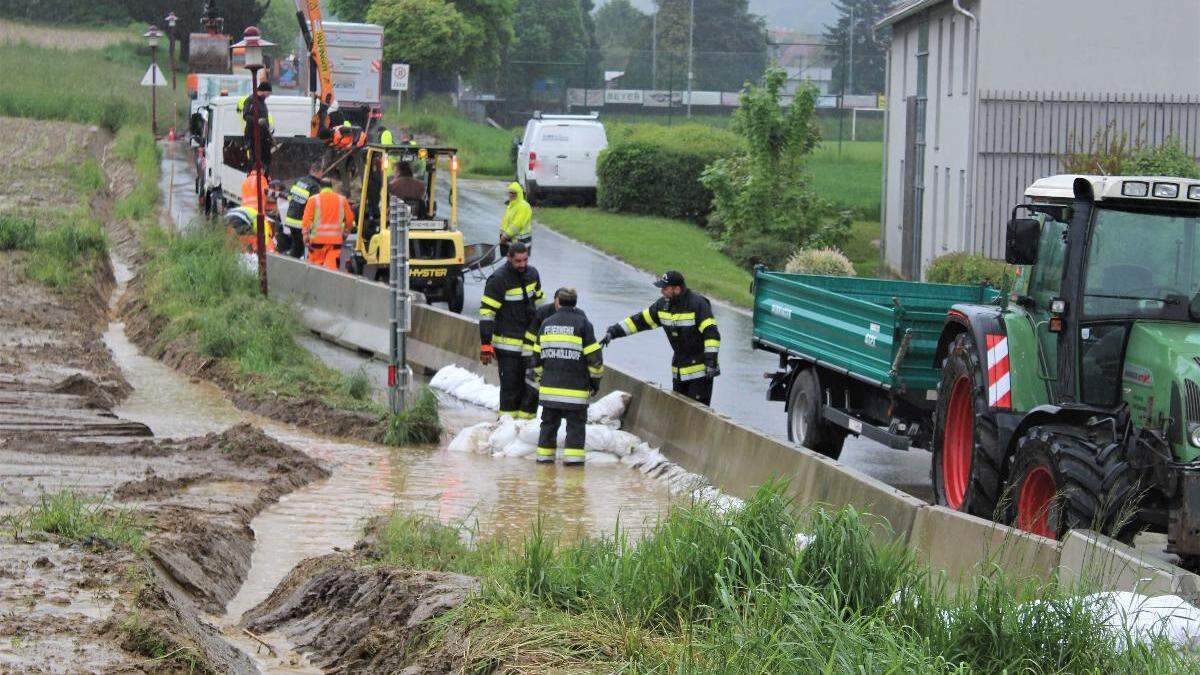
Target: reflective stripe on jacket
<point x="567" y="359"/>
<point x="690" y="327"/>
<point x="327" y="216"/>
<point x="298" y="199"/>
<point x="507" y="306"/>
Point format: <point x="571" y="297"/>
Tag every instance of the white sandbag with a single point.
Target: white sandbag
<point x="528" y="431"/>
<point x="466" y="386"/>
<point x="601" y="458"/>
<point x="1144" y="618"/>
<point x="609" y="409"/>
<point x="517" y="448"/>
<point x="504" y="432"/>
<point x="472" y="439"/>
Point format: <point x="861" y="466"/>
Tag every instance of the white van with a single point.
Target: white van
<point x="224" y="160"/>
<point x="557" y="155"/>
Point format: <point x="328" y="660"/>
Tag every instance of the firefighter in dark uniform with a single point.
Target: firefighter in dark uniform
<point x="293" y="219"/>
<point x="505" y="310"/>
<point x="568" y="365"/>
<point x="687" y="318"/>
<point x="542" y="313"/>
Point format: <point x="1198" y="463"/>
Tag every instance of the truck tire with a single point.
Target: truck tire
<point x="1062" y="481"/>
<point x="806" y="427"/>
<point x="968" y="462"/>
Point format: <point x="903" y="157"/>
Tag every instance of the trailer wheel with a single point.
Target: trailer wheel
<point x="968" y="464"/>
<point x="1062" y="481"/>
<point x="805" y="424"/>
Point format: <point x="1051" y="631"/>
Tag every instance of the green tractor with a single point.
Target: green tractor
<point x="1078" y="396"/>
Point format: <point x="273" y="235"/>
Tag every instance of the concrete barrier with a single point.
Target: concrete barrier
<point x="1109" y="564"/>
<point x="962" y="545"/>
<point x="736" y="459"/>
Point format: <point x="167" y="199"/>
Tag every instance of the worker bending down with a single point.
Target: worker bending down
<point x="567" y="364"/>
<point x="687" y="318"/>
<point x="327" y="219"/>
<point x="505" y="311"/>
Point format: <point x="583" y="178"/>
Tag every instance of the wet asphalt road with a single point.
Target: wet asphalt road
<point x="611" y="290"/>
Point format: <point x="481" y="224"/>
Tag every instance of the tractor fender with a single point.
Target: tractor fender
<point x="980" y="320"/>
<point x="1073" y="414"/>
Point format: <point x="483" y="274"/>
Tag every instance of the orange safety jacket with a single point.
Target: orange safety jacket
<point x="327" y="216"/>
<point x="249" y="199"/>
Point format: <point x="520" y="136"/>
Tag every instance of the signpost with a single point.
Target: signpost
<point x="400" y="73"/>
<point x="399" y="374"/>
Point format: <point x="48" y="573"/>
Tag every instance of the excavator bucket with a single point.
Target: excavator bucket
<point x="208" y="53"/>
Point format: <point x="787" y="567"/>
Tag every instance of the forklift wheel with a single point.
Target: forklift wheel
<point x="455" y="293"/>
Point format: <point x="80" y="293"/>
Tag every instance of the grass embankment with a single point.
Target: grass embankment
<point x="484" y="151"/>
<point x="730" y="592"/>
<point x="100" y="86"/>
<point x="196" y="283"/>
<point x="80" y="519"/>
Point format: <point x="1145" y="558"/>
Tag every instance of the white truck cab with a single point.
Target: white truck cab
<point x="557" y="155"/>
<point x="225" y="162"/>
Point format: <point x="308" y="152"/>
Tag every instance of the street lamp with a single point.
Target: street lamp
<point x="152" y="37"/>
<point x="171" y="20"/>
<point x="252" y="45"/>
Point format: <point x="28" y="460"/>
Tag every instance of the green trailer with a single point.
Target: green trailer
<point x="863" y="351"/>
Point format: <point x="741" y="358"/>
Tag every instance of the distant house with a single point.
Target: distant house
<point x="978" y="108"/>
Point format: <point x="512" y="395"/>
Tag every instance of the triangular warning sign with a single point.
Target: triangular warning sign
<point x="154" y="77"/>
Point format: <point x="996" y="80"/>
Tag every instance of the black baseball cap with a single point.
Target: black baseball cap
<point x="670" y="278"/>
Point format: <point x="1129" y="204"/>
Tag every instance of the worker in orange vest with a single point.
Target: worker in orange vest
<point x="327" y="219"/>
<point x="249" y="199"/>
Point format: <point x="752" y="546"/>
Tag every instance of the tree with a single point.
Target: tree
<point x="430" y="35"/>
<point x="491" y="33"/>
<point x="763" y="208"/>
<point x="869" y="56"/>
<point x="552" y="49"/>
<point x="350" y="10"/>
<point x="616" y="22"/>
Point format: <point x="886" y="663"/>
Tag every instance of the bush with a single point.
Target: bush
<point x="827" y="261"/>
<point x="969" y="269"/>
<point x="1168" y="159"/>
<point x="16" y="234"/>
<point x="656" y="170"/>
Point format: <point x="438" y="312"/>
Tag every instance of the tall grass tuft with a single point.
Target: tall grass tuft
<point x="418" y="424"/>
<point x="17" y="233"/>
<point x="70" y="515"/>
<point x="61" y="256"/>
<point x="358" y="385"/>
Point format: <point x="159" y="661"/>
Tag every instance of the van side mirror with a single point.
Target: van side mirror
<point x="1021" y="241"/>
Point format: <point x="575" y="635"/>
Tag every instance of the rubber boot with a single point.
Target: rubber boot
<point x="572" y="460"/>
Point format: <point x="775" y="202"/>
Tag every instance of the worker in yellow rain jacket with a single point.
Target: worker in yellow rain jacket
<point x="517" y="225"/>
<point x="327" y="219"/>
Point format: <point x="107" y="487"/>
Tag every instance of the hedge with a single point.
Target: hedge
<point x="655" y="170"/>
<point x="970" y="269"/>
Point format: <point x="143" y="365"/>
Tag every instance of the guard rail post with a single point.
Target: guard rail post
<point x="400" y="316"/>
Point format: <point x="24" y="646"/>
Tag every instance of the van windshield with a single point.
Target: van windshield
<point x="572" y="136"/>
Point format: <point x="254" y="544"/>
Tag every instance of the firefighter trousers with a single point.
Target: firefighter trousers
<point x="513" y="397"/>
<point x="699" y="390"/>
<point x="573" y="449"/>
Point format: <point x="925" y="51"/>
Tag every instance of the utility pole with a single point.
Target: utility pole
<point x="152" y="37"/>
<point x="850" y="58"/>
<point x="654" y="51"/>
<point x="691" y="36"/>
<point x="399" y="375"/>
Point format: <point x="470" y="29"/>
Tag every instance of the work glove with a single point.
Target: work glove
<point x="486" y="354"/>
<point x="614" y="331"/>
<point x="711" y="368"/>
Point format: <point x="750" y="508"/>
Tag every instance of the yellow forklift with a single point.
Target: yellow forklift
<point x="437" y="257"/>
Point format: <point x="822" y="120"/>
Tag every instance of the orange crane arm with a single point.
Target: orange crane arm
<point x="314" y="35"/>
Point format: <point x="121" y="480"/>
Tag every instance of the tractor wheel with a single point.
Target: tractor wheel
<point x="806" y="428"/>
<point x="968" y="462"/>
<point x="1062" y="481"/>
<point x="455" y="293"/>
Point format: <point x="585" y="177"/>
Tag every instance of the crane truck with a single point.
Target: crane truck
<point x="1072" y="401"/>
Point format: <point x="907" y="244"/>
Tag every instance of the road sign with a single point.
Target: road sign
<point x="400" y="73"/>
<point x="154" y="77"/>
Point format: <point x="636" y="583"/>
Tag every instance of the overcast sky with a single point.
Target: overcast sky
<point x="807" y="15"/>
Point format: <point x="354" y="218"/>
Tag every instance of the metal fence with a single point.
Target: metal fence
<point x="1022" y="136"/>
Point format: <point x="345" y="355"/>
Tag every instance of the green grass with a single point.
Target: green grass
<point x="861" y="249"/>
<point x="17" y="233"/>
<point x="729" y="591"/>
<point x="655" y="244"/>
<point x="417" y="424"/>
<point x="94" y="86"/>
<point x="78" y="518"/>
<point x="64" y="255"/>
<point x="852" y="179"/>
<point x="484" y="151"/>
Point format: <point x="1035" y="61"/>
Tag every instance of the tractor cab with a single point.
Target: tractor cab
<point x="1103" y="336"/>
<point x="436" y="253"/>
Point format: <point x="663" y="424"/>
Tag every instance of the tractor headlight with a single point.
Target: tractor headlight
<point x="1194" y="433"/>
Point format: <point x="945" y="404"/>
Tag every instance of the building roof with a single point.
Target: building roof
<point x="905" y="9"/>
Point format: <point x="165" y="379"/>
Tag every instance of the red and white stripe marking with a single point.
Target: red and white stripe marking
<point x="999" y="386"/>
